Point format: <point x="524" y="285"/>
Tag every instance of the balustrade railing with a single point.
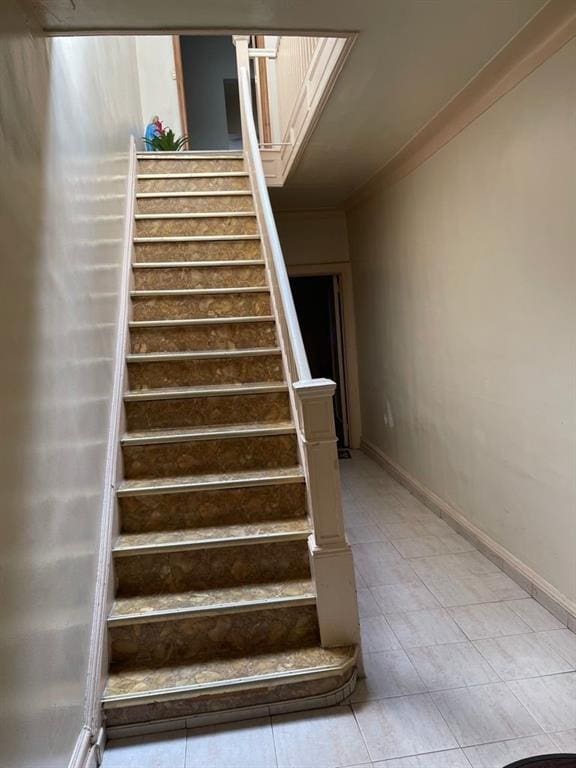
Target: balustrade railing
<point x="330" y="554"/>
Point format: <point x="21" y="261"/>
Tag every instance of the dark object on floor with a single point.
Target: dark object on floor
<point x="344" y="453"/>
<point x="546" y="761"/>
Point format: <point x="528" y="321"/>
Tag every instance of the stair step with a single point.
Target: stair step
<point x="213" y="226"/>
<point x="198" y="250"/>
<point x="193" y="175"/>
<point x="196" y="215"/>
<point x="248" y="597"/>
<point x="192" y="154"/>
<point x="135" y="324"/>
<point x="198" y="264"/>
<point x="212" y="482"/>
<point x="129" y="687"/>
<point x="131" y="544"/>
<point x="213" y="390"/>
<point x="195" y="238"/>
<point x="182" y="369"/>
<point x="184" y="336"/>
<point x="209" y="354"/>
<point x="206" y="450"/>
<point x="196" y="193"/>
<point x="152" y="294"/>
<point x="155" y="437"/>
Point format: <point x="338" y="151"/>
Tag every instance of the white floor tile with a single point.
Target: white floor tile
<point x="551" y="700"/>
<point x="428" y="627"/>
<point x="534" y="614"/>
<point x="404" y="530"/>
<point x="363" y="534"/>
<point x="564" y="642"/>
<point x="373" y="550"/>
<point x="387" y="674"/>
<point x="326" y="738"/>
<point x="437" y="527"/>
<point x="453" y="758"/>
<point x="367" y="605"/>
<point x="377" y="635"/>
<point x="408" y="725"/>
<point x="477" y="589"/>
<point x="488" y="620"/>
<point x="161" y="750"/>
<point x="385" y="570"/>
<point x="485" y="713"/>
<point x="451" y="666"/>
<point x="426" y="546"/>
<point x="248" y="744"/>
<point x="461" y="566"/>
<point x="520" y="656"/>
<point x="565" y="740"/>
<point x="404" y="597"/>
<point x="505" y="752"/>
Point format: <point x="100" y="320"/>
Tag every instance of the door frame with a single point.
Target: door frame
<point x="343" y="271"/>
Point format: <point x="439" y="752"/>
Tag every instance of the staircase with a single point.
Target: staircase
<point x="215" y="607"/>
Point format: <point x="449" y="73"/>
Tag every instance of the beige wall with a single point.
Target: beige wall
<point x="313" y="237"/>
<point x="67" y="108"/>
<point x="157" y="78"/>
<point x="465" y="292"/>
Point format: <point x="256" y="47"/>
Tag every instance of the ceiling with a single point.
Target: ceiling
<point x="410" y="58"/>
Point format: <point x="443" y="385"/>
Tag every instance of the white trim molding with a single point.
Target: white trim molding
<point x="90" y="744"/>
<point x="536" y="586"/>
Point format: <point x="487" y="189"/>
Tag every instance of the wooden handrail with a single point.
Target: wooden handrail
<point x="269" y="231"/>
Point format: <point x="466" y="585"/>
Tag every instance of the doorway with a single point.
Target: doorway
<point x="319" y="309"/>
<point x="210" y="92"/>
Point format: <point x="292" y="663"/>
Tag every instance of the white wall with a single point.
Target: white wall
<point x="157" y="77"/>
<point x="465" y="288"/>
<point x="313" y="237"/>
<point x="67" y="108"/>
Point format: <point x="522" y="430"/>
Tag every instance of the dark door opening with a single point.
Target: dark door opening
<point x="210" y="76"/>
<point x="317" y="301"/>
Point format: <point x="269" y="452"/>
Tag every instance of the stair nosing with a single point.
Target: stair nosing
<point x="165" y="694"/>
<point x="191" y="483"/>
<point x="196" y="193"/>
<point x="177" y="393"/>
<point x="144" y="293"/>
<point x="229" y="432"/>
<point x="196" y="264"/>
<point x="192" y="175"/>
<point x="194" y="238"/>
<point x="191" y="154"/>
<point x="200" y="544"/>
<point x="207" y="354"/>
<point x="201" y="321"/>
<point x="246" y="606"/>
<point x="196" y="215"/>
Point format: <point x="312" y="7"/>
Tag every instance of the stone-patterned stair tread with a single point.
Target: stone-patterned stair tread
<point x="216" y="536"/>
<point x="193" y="238"/>
<point x="201" y="321"/>
<point x="198" y="264"/>
<point x="126" y="685"/>
<point x="145" y="357"/>
<point x="206" y="433"/>
<point x="211" y="390"/>
<point x="247" y="479"/>
<point x="195" y="215"/>
<point x="201" y="291"/>
<point x="216" y="600"/>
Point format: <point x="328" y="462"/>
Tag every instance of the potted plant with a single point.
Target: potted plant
<point x="160" y="138"/>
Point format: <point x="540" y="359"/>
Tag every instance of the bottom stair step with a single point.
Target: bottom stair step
<point x="248" y="597"/>
<point x="148" y="694"/>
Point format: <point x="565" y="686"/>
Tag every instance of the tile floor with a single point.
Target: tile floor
<point x="464" y="669"/>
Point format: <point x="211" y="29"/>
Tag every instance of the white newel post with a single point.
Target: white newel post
<point x="330" y="553"/>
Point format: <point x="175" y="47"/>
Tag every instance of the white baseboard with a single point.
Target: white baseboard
<point x="87" y="754"/>
<point x="541" y="590"/>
